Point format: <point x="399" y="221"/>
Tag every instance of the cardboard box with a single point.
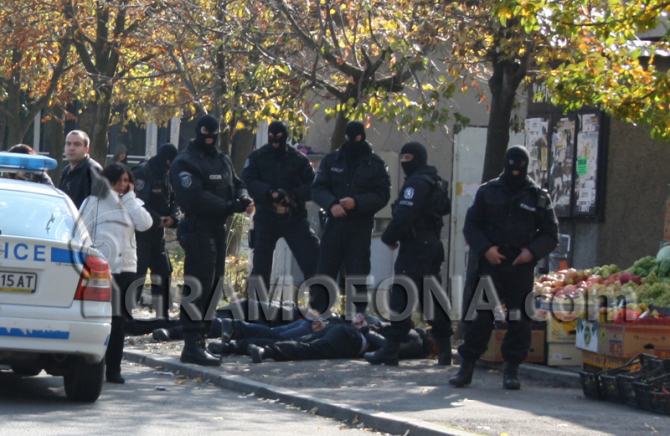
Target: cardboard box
<point x="494" y="354"/>
<point x="561" y="331"/>
<point x="600" y="361"/>
<point x="560" y="354"/>
<point x="623" y="340"/>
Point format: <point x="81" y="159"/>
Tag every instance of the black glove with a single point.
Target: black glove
<point x="246" y="201"/>
<point x="235" y="206"/>
<point x="278" y="196"/>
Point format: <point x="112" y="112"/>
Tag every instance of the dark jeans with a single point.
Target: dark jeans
<point x="513" y="284"/>
<point x="268" y="228"/>
<point x="343" y="242"/>
<point x="204" y="261"/>
<point x="121" y="284"/>
<point x="286" y="332"/>
<point x="419" y="258"/>
<point x="151" y="254"/>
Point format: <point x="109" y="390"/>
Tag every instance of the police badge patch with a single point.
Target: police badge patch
<point x="185" y="179"/>
<point x="409" y="193"/>
<point x="139" y="184"/>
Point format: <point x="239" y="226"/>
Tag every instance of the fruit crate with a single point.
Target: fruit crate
<point x="591" y="385"/>
<point x="654" y="394"/>
<point x="604" y="385"/>
<point x="649" y="370"/>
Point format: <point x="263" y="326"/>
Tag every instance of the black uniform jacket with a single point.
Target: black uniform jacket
<point x="412" y="210"/>
<point x="290" y="170"/>
<point x="152" y="186"/>
<point x="366" y="180"/>
<point x="205" y="184"/>
<point x="497" y="217"/>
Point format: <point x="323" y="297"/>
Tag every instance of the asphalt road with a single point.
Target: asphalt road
<point x="151" y="403"/>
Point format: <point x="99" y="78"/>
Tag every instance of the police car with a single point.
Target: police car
<point x="55" y="293"/>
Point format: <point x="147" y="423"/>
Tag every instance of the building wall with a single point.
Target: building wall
<point x="636" y="191"/>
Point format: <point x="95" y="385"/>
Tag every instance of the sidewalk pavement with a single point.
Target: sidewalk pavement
<point x="415" y="398"/>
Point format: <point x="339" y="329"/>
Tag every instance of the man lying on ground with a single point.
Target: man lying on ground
<point x="282" y="313"/>
<point x="336" y="340"/>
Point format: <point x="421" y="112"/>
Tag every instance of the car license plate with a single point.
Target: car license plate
<point x="17" y="282"/>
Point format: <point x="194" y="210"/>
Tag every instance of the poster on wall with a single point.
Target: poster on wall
<point x="586" y="164"/>
<point x="537" y="143"/>
<point x="562" y="162"/>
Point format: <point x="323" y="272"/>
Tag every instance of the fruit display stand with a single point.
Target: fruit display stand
<point x="537" y="346"/>
<point x="560" y="341"/>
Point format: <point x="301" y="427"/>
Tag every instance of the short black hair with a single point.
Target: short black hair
<point x="114" y="171"/>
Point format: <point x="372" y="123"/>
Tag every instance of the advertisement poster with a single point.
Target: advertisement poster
<point x="587" y="164"/>
<point x="562" y="163"/>
<point x="537" y="143"/>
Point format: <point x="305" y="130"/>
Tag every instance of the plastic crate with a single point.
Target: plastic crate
<point x="591" y="385"/>
<point x="654" y="394"/>
<point x="604" y="384"/>
<point x="649" y="370"/>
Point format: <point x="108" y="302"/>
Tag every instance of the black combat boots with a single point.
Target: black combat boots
<point x="194" y="351"/>
<point x="387" y="355"/>
<point x="464" y="375"/>
<point x="511" y="376"/>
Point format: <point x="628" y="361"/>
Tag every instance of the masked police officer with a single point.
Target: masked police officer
<point x="152" y="186"/>
<point x="279" y="179"/>
<point x="511" y="225"/>
<point x="416" y="227"/>
<point x="352" y="185"/>
<point x="208" y="191"/>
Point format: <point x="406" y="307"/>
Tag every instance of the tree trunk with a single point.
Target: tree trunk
<point x="55" y="131"/>
<point x="100" y="136"/>
<point x="17" y="130"/>
<point x="338" y="134"/>
<point x="503" y="84"/>
<point x="87" y="117"/>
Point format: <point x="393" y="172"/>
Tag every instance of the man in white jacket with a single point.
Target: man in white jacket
<point x="112" y="216"/>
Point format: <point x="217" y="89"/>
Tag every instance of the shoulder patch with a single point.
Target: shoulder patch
<point x="186" y="180"/>
<point x="139" y="184"/>
<point x="409" y="193"/>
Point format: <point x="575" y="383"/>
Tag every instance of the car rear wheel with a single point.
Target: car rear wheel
<point x="84" y="383"/>
<point x="26" y="371"/>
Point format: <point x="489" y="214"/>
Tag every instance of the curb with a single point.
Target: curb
<point x="380" y="421"/>
<point x="557" y="377"/>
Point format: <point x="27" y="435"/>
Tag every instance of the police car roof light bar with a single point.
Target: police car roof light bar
<point x="26" y="162"/>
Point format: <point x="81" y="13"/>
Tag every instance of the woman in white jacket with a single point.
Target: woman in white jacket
<point x="112" y="216"/>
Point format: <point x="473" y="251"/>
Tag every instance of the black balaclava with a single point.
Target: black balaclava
<point x="211" y="124"/>
<point x="420" y="157"/>
<point x="276" y="127"/>
<point x="165" y="153"/>
<point x="353" y="148"/>
<point x="515" y="156"/>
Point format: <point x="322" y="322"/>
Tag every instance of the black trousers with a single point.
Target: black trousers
<point x="151" y="254"/>
<point x="341" y="342"/>
<point x="120" y="286"/>
<point x="268" y="228"/>
<point x="418" y="258"/>
<point x="343" y="243"/>
<point x="513" y="284"/>
<point x="204" y="263"/>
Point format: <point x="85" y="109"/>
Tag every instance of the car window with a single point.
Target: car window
<point x="37" y="216"/>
